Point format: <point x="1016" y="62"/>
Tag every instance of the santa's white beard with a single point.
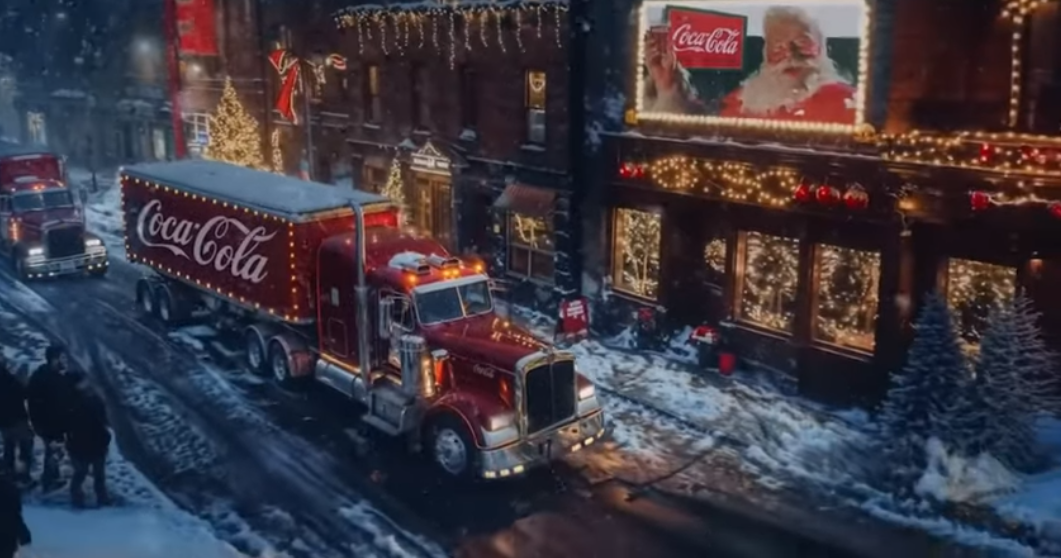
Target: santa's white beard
<point x="771" y="89"/>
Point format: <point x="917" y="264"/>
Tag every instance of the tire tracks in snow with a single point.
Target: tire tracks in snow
<point x="119" y="349"/>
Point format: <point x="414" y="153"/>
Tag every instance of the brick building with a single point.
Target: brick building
<point x="465" y="112"/>
<point x="921" y="153"/>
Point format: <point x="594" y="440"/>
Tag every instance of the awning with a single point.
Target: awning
<point x="526" y="200"/>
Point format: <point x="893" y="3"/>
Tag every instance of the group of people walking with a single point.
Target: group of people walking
<point x="58" y="406"/>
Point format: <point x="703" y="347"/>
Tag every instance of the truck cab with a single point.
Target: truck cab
<point x="42" y="226"/>
<point x="486" y="397"/>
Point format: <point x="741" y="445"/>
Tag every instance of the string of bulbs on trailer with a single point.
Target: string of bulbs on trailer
<point x="395" y="26"/>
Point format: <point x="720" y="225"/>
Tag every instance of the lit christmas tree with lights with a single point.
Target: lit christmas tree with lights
<point x="234" y="134"/>
<point x="394" y="189"/>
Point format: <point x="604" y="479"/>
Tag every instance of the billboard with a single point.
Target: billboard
<point x="195" y="27"/>
<point x="799" y="64"/>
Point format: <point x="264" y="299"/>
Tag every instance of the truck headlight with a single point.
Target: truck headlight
<point x="586" y="392"/>
<point x="37" y="251"/>
<point x="93" y="243"/>
<point x="500" y="422"/>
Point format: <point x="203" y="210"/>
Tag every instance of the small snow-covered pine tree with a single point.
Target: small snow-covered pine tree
<point x="923" y="394"/>
<point x="1014" y="373"/>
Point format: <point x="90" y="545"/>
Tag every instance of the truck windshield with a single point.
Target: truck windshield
<point x="37" y="201"/>
<point x="453" y="303"/>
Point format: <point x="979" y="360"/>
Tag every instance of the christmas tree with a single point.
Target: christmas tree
<point x="394" y="189"/>
<point x="921" y="400"/>
<point x="234" y="134"/>
<point x="1014" y="383"/>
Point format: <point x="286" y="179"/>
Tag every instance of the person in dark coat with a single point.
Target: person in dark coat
<point x="13" y="531"/>
<point x="49" y="396"/>
<point x="14" y="422"/>
<point x="87" y="442"/>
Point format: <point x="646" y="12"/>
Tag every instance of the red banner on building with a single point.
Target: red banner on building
<point x="195" y="27"/>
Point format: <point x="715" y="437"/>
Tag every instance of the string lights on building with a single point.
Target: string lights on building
<point x="715" y="255"/>
<point x="1017" y="11"/>
<point x="277" y="158"/>
<point x="394" y="25"/>
<point x="1008" y="153"/>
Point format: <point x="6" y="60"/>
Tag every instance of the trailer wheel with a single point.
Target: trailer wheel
<point x="451" y="447"/>
<point x="171" y="309"/>
<point x="145" y="297"/>
<point x="255" y="347"/>
<point x="282" y="365"/>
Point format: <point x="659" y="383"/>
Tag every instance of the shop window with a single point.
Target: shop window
<point x="373" y="178"/>
<point x="373" y="104"/>
<point x="158" y="144"/>
<point x="848" y="287"/>
<point x="974" y="290"/>
<point x="530" y="247"/>
<point x="197" y="130"/>
<point x="421" y="98"/>
<point x="770" y="280"/>
<point x="715" y="259"/>
<point x="1040" y="84"/>
<point x="636" y="252"/>
<point x="534" y="105"/>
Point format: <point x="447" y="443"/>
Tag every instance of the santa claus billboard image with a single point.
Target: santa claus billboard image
<point x="731" y="61"/>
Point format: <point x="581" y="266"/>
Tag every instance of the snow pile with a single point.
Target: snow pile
<point x="952" y="478"/>
<point x="1037" y="502"/>
<point x="103" y="211"/>
<point x="119" y="533"/>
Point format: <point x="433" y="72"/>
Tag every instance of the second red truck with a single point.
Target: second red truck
<point x="325" y="284"/>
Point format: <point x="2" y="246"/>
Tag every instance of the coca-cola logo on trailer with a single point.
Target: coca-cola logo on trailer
<point x="213" y="243"/>
<point x="707" y="40"/>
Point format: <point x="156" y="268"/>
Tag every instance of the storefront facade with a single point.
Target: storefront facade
<point x="806" y="233"/>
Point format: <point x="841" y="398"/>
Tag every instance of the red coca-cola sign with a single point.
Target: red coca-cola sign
<point x="707" y="40"/>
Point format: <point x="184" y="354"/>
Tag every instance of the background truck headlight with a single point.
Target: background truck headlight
<point x="93" y="243"/>
<point x="498" y="422"/>
<point x="38" y="251"/>
<point x="585" y="392"/>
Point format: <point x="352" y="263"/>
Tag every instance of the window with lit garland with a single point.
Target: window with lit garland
<point x="715" y="260"/>
<point x="848" y="286"/>
<point x="531" y="251"/>
<point x="636" y="252"/>
<point x="974" y="289"/>
<point x="770" y="281"/>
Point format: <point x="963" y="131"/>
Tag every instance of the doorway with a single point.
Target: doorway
<point x="433" y="207"/>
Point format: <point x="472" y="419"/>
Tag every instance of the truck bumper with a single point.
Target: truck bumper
<point x="517" y="458"/>
<point x="89" y="262"/>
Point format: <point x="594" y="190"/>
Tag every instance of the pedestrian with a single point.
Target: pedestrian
<point x="87" y="442"/>
<point x="13" y="531"/>
<point x="14" y="423"/>
<point x="48" y="395"/>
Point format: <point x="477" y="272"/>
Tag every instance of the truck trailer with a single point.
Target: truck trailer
<point x="42" y="226"/>
<point x="325" y="283"/>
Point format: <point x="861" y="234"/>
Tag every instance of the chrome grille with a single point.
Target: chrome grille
<point x="550" y="395"/>
<point x="65" y="240"/>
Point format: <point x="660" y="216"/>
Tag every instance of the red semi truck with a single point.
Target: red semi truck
<point x="42" y="228"/>
<point x="325" y="284"/>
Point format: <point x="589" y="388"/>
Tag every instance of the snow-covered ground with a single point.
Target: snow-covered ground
<point x="671" y="426"/>
<point x="103" y="208"/>
<point x="664" y="415"/>
<point x="143" y="524"/>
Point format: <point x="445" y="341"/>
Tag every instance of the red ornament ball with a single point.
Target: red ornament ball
<point x="856" y="198"/>
<point x="986" y="151"/>
<point x="979" y="201"/>
<point x="827" y="195"/>
<point x="1055" y="209"/>
<point x="631" y="170"/>
<point x="804" y="192"/>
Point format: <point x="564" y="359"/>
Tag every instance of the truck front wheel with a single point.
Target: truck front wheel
<point x="451" y="447"/>
<point x="280" y="365"/>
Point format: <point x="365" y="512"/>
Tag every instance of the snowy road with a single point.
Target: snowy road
<point x="250" y="458"/>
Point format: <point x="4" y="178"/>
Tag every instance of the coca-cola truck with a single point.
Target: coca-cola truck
<point x="42" y="226"/>
<point x="324" y="283"/>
